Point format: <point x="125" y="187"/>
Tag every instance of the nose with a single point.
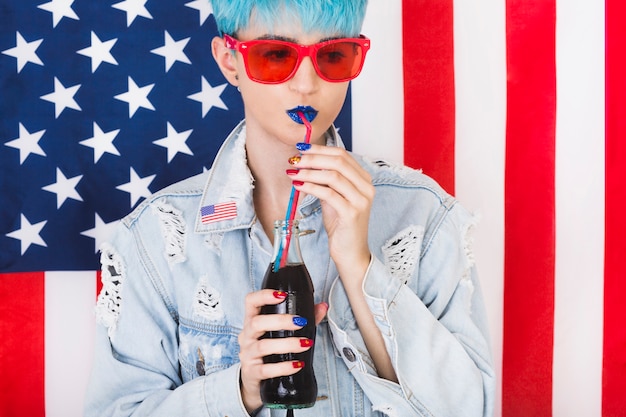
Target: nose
<point x="305" y="80"/>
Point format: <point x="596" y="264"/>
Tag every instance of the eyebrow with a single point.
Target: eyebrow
<point x="292" y="40"/>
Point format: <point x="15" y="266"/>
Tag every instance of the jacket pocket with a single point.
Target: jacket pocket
<point x="205" y="348"/>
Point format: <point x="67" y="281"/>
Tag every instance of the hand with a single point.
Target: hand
<point x="252" y="350"/>
<point x="346" y="192"/>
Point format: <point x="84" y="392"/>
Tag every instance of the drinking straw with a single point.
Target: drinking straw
<point x="291" y="206"/>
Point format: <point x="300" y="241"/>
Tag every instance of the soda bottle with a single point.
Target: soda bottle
<point x="300" y="389"/>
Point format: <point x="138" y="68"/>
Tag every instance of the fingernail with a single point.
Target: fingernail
<point x="297" y="364"/>
<point x="292" y="171"/>
<point x="280" y="294"/>
<point x="294" y="159"/>
<point x="306" y="342"/>
<point x="297" y="183"/>
<point x="300" y="321"/>
<point x="303" y="146"/>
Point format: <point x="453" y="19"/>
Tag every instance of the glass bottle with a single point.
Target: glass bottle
<point x="300" y="389"/>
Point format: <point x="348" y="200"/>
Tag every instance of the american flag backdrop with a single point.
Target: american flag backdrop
<point x="517" y="107"/>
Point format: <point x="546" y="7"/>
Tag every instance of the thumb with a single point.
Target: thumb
<point x="320" y="312"/>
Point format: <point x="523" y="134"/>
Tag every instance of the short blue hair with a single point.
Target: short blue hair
<point x="329" y="17"/>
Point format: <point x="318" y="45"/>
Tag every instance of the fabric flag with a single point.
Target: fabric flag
<point x="517" y="107"/>
<point x="218" y="212"/>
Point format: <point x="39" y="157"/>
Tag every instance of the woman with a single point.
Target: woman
<point x="401" y="324"/>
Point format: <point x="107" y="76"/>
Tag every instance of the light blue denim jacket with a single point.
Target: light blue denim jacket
<point x="172" y="302"/>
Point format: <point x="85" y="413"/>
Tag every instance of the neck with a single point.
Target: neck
<point x="268" y="161"/>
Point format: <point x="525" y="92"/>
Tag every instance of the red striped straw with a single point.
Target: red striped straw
<point x="293" y="200"/>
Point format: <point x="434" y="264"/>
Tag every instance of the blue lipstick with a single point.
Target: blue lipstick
<point x="309" y="112"/>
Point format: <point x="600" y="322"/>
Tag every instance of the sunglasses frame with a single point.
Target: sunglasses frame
<point x="303" y="51"/>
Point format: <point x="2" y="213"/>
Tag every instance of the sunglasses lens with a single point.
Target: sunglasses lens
<point x="270" y="62"/>
<point x="340" y="60"/>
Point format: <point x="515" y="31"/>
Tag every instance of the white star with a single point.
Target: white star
<point x="28" y="233"/>
<point x="136" y="97"/>
<point x="99" y="52"/>
<point x="133" y="8"/>
<point x="203" y="6"/>
<point x="27" y="143"/>
<point x="209" y="97"/>
<point x="175" y="142"/>
<point x="59" y="10"/>
<point x="101" y="142"/>
<point x="62" y="97"/>
<point x="137" y="187"/>
<point x="24" y="52"/>
<point x="64" y="188"/>
<point x="172" y="51"/>
<point x="101" y="232"/>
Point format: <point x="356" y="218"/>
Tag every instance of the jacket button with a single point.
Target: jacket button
<point x="349" y="354"/>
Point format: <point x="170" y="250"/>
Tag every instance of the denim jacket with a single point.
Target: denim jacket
<point x="177" y="270"/>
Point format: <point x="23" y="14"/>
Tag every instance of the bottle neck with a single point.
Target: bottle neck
<point x="287" y="243"/>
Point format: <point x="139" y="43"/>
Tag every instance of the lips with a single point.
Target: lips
<point x="309" y="112"/>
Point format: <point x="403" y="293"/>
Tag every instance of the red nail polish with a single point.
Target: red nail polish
<point x="292" y="171"/>
<point x="306" y="342"/>
<point x="297" y="364"/>
<point x="280" y="294"/>
<point x="297" y="183"/>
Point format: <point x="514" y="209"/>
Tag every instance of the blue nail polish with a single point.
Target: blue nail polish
<point x="303" y="146"/>
<point x="300" y="321"/>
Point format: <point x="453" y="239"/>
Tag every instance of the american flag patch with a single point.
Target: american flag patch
<point x="218" y="212"/>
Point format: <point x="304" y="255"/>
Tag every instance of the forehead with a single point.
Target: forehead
<point x="286" y="29"/>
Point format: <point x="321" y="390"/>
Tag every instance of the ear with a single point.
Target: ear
<point x="225" y="59"/>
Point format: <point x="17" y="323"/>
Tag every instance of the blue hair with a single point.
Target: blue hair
<point x="329" y="17"/>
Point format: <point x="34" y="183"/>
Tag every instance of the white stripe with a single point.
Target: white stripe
<point x="480" y="84"/>
<point x="69" y="337"/>
<point x="377" y="93"/>
<point x="577" y="383"/>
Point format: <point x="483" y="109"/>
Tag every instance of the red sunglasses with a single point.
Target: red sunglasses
<point x="274" y="62"/>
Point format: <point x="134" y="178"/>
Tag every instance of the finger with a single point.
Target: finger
<point x="258" y="325"/>
<point x="347" y="209"/>
<point x="255" y="300"/>
<point x="320" y="312"/>
<point x="330" y="158"/>
<point x="358" y="191"/>
<point x="282" y="346"/>
<point x="273" y="370"/>
<point x="318" y="163"/>
<point x="253" y="303"/>
<point x="253" y="347"/>
<point x="338" y="171"/>
<point x="332" y="151"/>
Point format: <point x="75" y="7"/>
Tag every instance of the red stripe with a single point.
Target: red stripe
<point x="212" y="218"/>
<point x="529" y="209"/>
<point x="22" y="345"/>
<point x="429" y="106"/>
<point x="98" y="282"/>
<point x="614" y="366"/>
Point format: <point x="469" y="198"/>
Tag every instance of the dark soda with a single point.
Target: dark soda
<point x="300" y="389"/>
